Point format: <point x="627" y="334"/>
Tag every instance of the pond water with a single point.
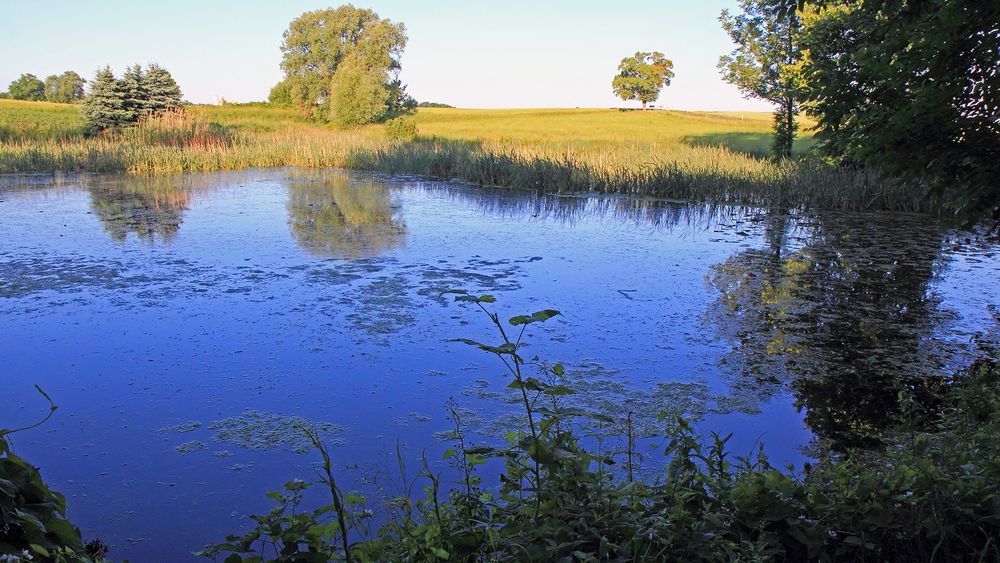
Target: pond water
<point x="184" y="323"/>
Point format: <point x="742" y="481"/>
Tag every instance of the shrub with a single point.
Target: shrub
<point x="401" y="129"/>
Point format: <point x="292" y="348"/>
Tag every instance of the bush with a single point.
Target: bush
<point x="401" y="129"/>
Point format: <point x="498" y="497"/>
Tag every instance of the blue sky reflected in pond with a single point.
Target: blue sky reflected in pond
<point x="161" y="311"/>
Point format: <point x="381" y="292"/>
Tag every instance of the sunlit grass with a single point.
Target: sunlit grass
<point x="700" y="156"/>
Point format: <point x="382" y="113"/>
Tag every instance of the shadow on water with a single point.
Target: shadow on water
<point x="846" y="320"/>
<point x="333" y="214"/>
<point x="569" y="209"/>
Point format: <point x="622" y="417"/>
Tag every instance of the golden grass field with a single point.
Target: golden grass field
<point x="702" y="156"/>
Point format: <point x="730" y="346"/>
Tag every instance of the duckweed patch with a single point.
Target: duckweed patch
<point x="190" y="447"/>
<point x="598" y="389"/>
<point x="182" y="428"/>
<point x="255" y="430"/>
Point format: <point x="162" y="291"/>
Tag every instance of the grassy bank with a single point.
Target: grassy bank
<point x="696" y="156"/>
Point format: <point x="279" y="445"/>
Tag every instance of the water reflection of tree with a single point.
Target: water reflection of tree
<point x="845" y="319"/>
<point x="332" y="216"/>
<point x="149" y="207"/>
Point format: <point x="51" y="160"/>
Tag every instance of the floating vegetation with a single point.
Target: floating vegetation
<point x="598" y="389"/>
<point x="192" y="446"/>
<point x="383" y="306"/>
<point x="223" y="454"/>
<point x="255" y="430"/>
<point x="183" y="427"/>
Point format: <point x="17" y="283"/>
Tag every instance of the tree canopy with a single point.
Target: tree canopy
<point x="642" y="77"/>
<point x="27" y="87"/>
<point x="764" y="63"/>
<point x="66" y="88"/>
<point x="912" y="88"/>
<point x="319" y="44"/>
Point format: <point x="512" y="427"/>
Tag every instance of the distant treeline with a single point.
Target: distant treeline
<point x="65" y="88"/>
<point x="434" y="105"/>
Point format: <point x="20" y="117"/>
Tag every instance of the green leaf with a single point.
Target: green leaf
<point x="536" y="317"/>
<point x="558" y="390"/>
<point x="558" y="370"/>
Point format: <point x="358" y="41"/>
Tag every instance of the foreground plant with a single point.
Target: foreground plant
<point x="33" y="523"/>
<point x="931" y="494"/>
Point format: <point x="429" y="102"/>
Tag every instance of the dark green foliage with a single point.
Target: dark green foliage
<point x="104" y="106"/>
<point x="642" y="77"/>
<point x="434" y="105"/>
<point x="763" y="65"/>
<point x="342" y="65"/>
<point x="27" y="87"/>
<point x="66" y="88"/>
<point x="33" y="517"/>
<point x="931" y="494"/>
<point x="136" y="98"/>
<point x="162" y="92"/>
<point x="912" y="88"/>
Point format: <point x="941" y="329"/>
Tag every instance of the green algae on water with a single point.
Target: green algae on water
<point x="255" y="430"/>
<point x="192" y="446"/>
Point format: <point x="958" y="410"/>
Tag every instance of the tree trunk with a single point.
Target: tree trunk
<point x="790" y="123"/>
<point x="644" y="105"/>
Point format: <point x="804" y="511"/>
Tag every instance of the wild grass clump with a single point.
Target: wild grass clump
<point x="691" y="156"/>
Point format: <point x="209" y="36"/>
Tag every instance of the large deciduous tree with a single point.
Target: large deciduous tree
<point x="764" y="63"/>
<point x="317" y="45"/>
<point x="912" y="88"/>
<point x="27" y="87"/>
<point x="66" y="88"/>
<point x="642" y="77"/>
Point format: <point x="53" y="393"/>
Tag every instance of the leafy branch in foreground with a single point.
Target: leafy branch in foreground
<point x="33" y="523"/>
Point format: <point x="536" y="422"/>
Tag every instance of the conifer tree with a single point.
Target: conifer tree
<point x="136" y="97"/>
<point x="161" y="90"/>
<point x="104" y="106"/>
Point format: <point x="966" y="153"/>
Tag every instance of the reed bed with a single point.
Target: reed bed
<point x="668" y="155"/>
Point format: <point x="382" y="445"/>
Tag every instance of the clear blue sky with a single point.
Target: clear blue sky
<point x="517" y="53"/>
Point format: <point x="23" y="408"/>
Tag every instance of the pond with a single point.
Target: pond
<point x="183" y="324"/>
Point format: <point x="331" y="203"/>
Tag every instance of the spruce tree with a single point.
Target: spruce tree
<point x="104" y="106"/>
<point x="133" y="83"/>
<point x="161" y="90"/>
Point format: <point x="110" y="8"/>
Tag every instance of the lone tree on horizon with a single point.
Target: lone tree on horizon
<point x="642" y="77"/>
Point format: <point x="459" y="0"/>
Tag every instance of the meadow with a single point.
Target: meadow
<point x="700" y="156"/>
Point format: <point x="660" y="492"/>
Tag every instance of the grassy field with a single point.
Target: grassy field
<point x="701" y="156"/>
